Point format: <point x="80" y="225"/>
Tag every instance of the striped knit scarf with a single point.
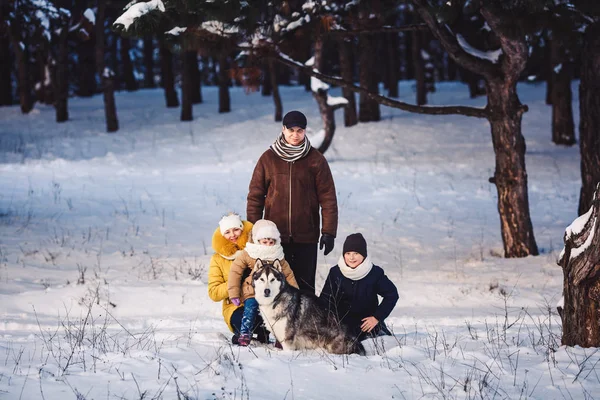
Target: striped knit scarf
<point x="288" y="152"/>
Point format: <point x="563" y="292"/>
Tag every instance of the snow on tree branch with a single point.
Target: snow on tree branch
<point x="138" y="10"/>
<point x="492" y="55"/>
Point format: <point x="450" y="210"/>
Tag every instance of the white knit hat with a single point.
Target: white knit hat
<point x="263" y="228"/>
<point x="229" y="221"/>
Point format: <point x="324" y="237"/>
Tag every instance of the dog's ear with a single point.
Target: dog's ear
<point x="277" y="265"/>
<point x="257" y="264"/>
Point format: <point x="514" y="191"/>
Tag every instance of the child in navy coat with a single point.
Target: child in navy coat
<point x="351" y="289"/>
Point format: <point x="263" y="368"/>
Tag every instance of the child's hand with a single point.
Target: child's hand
<point x="236" y="301"/>
<point x="368" y="324"/>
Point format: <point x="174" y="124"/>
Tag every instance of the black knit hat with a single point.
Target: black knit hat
<point x="356" y="242"/>
<point x="294" y="118"/>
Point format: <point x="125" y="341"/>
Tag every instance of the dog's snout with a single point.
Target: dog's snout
<point x="267" y="292"/>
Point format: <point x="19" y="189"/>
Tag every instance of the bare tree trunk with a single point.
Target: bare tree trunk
<point x="187" y="82"/>
<point x="149" y="62"/>
<point x="548" y="68"/>
<point x="196" y="75"/>
<point x="580" y="261"/>
<point x="392" y="75"/>
<point x="510" y="176"/>
<point x="419" y="68"/>
<point x="128" y="75"/>
<point x="275" y="90"/>
<point x="25" y="98"/>
<point x="167" y="78"/>
<point x="368" y="108"/>
<point x="224" y="100"/>
<point x="106" y="76"/>
<point x="563" y="127"/>
<point x="61" y="87"/>
<point x="589" y="110"/>
<point x="6" y="95"/>
<point x="347" y="71"/>
<point x="86" y="68"/>
<point x="267" y="87"/>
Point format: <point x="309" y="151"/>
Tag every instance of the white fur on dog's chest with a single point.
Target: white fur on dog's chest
<point x="278" y="327"/>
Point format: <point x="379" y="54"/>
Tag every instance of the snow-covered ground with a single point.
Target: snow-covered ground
<point x="105" y="241"/>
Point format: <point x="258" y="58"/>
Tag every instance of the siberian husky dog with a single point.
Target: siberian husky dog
<point x="296" y="319"/>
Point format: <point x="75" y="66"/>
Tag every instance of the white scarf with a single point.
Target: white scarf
<point x="355" y="273"/>
<point x="263" y="252"/>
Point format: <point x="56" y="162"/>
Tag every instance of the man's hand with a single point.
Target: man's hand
<point x="368" y="324"/>
<point x="328" y="242"/>
<point x="236" y="301"/>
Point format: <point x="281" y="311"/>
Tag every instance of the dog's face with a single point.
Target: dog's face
<point x="267" y="280"/>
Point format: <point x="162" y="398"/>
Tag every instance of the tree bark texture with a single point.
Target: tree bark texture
<point x="106" y="77"/>
<point x="418" y="67"/>
<point x="224" y="99"/>
<point x="149" y="62"/>
<point x="548" y="68"/>
<point x="61" y="84"/>
<point x="197" y="80"/>
<point x="267" y="86"/>
<point x="128" y="75"/>
<point x="6" y="88"/>
<point x="368" y="108"/>
<point x="510" y="176"/>
<point x="589" y="110"/>
<point x="563" y="127"/>
<point x="347" y="72"/>
<point x="393" y="68"/>
<point x="187" y="81"/>
<point x="275" y="90"/>
<point x="580" y="261"/>
<point x="167" y="77"/>
<point x="86" y="67"/>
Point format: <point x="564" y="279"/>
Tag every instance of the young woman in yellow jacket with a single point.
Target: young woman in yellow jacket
<point x="228" y="240"/>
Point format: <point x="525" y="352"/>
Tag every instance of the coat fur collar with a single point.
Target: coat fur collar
<point x="227" y="249"/>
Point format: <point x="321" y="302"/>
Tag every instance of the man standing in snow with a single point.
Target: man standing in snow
<point x="290" y="183"/>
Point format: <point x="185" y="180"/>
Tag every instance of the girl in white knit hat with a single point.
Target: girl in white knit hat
<point x="265" y="244"/>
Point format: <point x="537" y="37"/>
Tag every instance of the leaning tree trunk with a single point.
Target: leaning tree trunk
<point x="347" y="71"/>
<point x="167" y="77"/>
<point x="589" y="110"/>
<point x="224" y="99"/>
<point x="563" y="127"/>
<point x="320" y="93"/>
<point x="149" y="62"/>
<point x="510" y="176"/>
<point x="106" y="75"/>
<point x="368" y="108"/>
<point x="187" y="82"/>
<point x="580" y="261"/>
<point x="6" y="88"/>
<point x="128" y="75"/>
<point x="275" y="90"/>
<point x="61" y="88"/>
<point x="25" y="97"/>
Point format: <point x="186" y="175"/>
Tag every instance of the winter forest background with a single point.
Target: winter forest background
<point x="464" y="140"/>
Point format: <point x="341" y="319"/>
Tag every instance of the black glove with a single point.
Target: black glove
<point x="328" y="241"/>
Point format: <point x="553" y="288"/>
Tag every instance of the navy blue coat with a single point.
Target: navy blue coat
<point x="351" y="301"/>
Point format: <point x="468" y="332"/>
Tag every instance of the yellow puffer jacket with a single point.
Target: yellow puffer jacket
<point x="220" y="263"/>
